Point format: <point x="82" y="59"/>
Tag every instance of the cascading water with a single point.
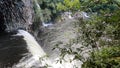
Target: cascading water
<point x="21" y="50"/>
<point x="47" y="24"/>
<point x="39" y="58"/>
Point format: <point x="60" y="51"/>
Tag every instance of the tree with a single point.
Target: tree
<point x="48" y="9"/>
<point x="67" y="5"/>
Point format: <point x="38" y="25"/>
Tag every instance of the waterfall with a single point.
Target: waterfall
<point x="39" y="57"/>
<point x="37" y="52"/>
<point x="33" y="46"/>
<point x="24" y="52"/>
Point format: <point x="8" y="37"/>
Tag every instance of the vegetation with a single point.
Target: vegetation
<point x="103" y="26"/>
<point x="101" y="32"/>
<point x="68" y="5"/>
<point x="46" y="9"/>
<point x="105" y="58"/>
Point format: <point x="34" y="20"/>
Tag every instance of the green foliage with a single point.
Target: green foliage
<point x="67" y="5"/>
<point x="38" y="17"/>
<point x="72" y="4"/>
<point x="46" y="10"/>
<point x="99" y="5"/>
<point x="101" y="30"/>
<point x="64" y="51"/>
<point x="108" y="57"/>
<point x="49" y="9"/>
<point x="101" y="25"/>
<point x="61" y="7"/>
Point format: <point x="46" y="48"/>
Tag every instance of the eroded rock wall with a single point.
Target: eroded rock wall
<point x="15" y="14"/>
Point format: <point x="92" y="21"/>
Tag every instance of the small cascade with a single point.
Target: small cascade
<point x="85" y="15"/>
<point x="47" y="24"/>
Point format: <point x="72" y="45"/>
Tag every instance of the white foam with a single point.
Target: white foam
<point x="34" y="48"/>
<point x="46" y="24"/>
<point x="37" y="52"/>
<point x="67" y="63"/>
<point x="85" y="15"/>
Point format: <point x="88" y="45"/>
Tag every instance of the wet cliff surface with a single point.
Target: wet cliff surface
<point x="15" y="14"/>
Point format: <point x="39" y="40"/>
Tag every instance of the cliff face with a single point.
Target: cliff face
<point x="15" y="14"/>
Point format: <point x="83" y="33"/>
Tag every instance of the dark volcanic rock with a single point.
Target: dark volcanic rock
<point x="15" y="14"/>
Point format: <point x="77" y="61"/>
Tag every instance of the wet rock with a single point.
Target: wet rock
<point x="15" y="14"/>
